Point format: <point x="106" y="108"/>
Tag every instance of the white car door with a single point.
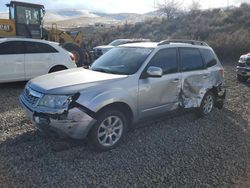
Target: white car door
<point x="38" y="59"/>
<point x="11" y="62"/>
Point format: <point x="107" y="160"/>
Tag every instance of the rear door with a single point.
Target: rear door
<point x="159" y="95"/>
<point x="38" y="59"/>
<point x="11" y="61"/>
<point x="195" y="77"/>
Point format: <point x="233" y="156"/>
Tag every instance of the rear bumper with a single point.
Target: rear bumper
<point x="243" y="71"/>
<point x="73" y="123"/>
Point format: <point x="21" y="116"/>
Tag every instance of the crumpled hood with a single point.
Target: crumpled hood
<point x="70" y="81"/>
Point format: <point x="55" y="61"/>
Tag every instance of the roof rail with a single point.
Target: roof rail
<point x="193" y="42"/>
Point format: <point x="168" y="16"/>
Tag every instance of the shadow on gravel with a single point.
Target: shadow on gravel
<point x="171" y="151"/>
<point x="9" y="93"/>
<point x="13" y="85"/>
<point x="247" y="83"/>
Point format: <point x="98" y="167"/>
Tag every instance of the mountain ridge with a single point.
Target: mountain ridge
<point x="82" y="18"/>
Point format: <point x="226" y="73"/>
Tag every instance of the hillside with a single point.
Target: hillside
<point x="226" y="30"/>
<point x="71" y="18"/>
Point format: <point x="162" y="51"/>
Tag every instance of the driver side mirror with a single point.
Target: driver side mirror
<point x="154" y="71"/>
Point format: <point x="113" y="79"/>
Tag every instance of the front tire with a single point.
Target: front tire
<point x="109" y="130"/>
<point x="207" y="105"/>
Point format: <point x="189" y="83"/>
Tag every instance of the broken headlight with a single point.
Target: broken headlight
<point x="55" y="101"/>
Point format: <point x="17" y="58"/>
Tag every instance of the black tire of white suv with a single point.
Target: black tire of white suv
<point x="109" y="130"/>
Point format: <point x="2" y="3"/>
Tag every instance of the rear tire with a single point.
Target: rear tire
<point x="241" y="78"/>
<point x="109" y="130"/>
<point x="76" y="51"/>
<point x="207" y="105"/>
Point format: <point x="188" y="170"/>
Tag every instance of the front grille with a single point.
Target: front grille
<point x="241" y="64"/>
<point x="31" y="97"/>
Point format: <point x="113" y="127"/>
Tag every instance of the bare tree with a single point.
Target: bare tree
<point x="195" y="6"/>
<point x="169" y="8"/>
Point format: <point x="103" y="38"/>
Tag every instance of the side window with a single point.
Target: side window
<point x="191" y="59"/>
<point x="37" y="47"/>
<point x="45" y="48"/>
<point x="11" y="47"/>
<point x="31" y="47"/>
<point x="209" y="57"/>
<point x="166" y="59"/>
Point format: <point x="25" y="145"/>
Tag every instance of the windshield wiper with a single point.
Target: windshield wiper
<point x="101" y="70"/>
<point x="107" y="70"/>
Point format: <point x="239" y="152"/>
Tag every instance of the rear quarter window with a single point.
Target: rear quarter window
<point x="209" y="57"/>
<point x="37" y="47"/>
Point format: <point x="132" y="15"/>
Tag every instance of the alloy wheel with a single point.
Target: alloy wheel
<point x="110" y="131"/>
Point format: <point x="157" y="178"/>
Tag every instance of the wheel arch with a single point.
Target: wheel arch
<point x="57" y="66"/>
<point x="122" y="107"/>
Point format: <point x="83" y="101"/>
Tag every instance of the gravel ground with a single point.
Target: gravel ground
<point x="176" y="151"/>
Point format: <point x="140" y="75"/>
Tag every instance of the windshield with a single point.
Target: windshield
<point x="121" y="60"/>
<point x="118" y="42"/>
<point x="28" y="15"/>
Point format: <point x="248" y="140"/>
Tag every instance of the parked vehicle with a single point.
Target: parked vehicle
<point x="243" y="68"/>
<point x="100" y="50"/>
<point x="23" y="59"/>
<point x="26" y="21"/>
<point x="128" y="84"/>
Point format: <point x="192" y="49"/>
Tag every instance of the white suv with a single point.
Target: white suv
<point x="23" y="59"/>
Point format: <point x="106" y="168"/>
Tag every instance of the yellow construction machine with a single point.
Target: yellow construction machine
<point x="26" y="20"/>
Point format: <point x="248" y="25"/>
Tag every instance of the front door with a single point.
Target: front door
<point x="159" y="95"/>
<point x="11" y="62"/>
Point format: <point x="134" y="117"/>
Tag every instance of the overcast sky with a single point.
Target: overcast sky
<point x="118" y="6"/>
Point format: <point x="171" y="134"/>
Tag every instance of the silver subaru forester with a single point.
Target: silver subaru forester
<point x="128" y="84"/>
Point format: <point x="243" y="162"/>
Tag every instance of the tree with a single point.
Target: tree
<point x="195" y="6"/>
<point x="169" y="8"/>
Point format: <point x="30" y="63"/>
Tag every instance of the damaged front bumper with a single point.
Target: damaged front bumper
<point x="74" y="122"/>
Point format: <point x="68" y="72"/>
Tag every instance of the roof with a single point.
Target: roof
<point x="183" y="41"/>
<point x="26" y="39"/>
<point x="141" y="44"/>
<point x="156" y="45"/>
<point x="25" y="4"/>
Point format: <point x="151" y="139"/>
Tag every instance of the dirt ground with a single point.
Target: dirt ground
<point x="176" y="151"/>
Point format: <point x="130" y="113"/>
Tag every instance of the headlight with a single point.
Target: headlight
<point x="55" y="101"/>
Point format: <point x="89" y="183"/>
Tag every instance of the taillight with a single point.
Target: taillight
<point x="222" y="72"/>
<point x="72" y="57"/>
